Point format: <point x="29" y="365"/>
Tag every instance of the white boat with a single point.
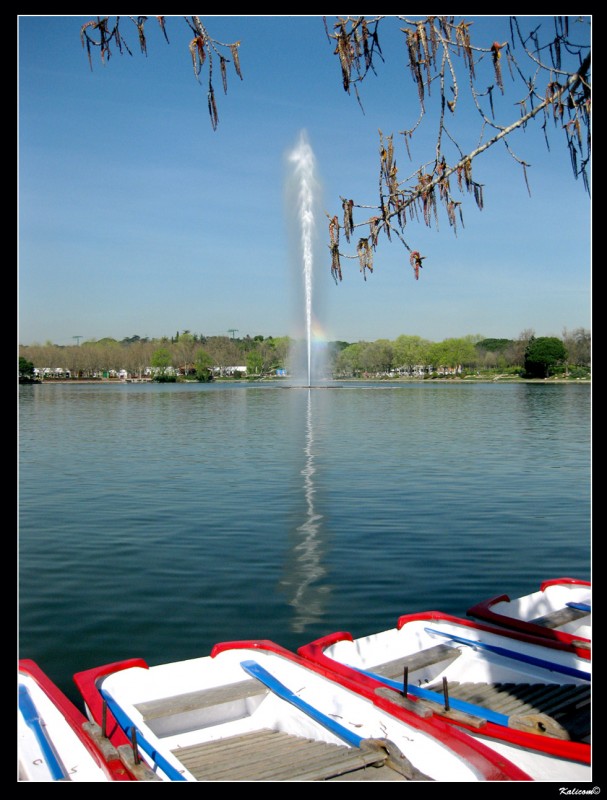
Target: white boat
<point x="527" y="698"/>
<point x="55" y="741"/>
<point x="561" y="610"/>
<point x="253" y="711"/>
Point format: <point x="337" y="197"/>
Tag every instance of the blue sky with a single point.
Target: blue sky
<point x="136" y="218"/>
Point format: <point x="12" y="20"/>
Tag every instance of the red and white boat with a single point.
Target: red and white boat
<point x="253" y="711"/>
<point x="561" y="610"/>
<point x="527" y="698"/>
<point x="55" y="741"/>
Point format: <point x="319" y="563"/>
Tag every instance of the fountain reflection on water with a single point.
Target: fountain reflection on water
<point x="305" y="574"/>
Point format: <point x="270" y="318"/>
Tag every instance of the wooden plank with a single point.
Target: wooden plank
<point x="273" y="756"/>
<point x="382" y="774"/>
<point x="477" y="721"/>
<point x="396" y="697"/>
<point x="419" y="660"/>
<point x="425" y="709"/>
<point x="560" y="617"/>
<point x="339" y="762"/>
<point x="204" y="698"/>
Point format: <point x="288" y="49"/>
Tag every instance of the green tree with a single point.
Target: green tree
<point x="411" y="352"/>
<point x="282" y="347"/>
<point x="266" y="349"/>
<point x="516" y="354"/>
<point x="203" y="364"/>
<point x="183" y="349"/>
<point x="494" y="345"/>
<point x="454" y="353"/>
<point x="376" y="357"/>
<point x="349" y="360"/>
<point x="543" y="355"/>
<point x="161" y="361"/>
<point x="26" y="370"/>
<point x="254" y="362"/>
<point x="495" y="353"/>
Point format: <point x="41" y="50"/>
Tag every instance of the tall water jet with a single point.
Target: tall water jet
<point x="304" y="196"/>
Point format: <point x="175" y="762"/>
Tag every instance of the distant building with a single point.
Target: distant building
<point x="229" y="372"/>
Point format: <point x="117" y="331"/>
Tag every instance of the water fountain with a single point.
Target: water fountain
<point x="305" y="189"/>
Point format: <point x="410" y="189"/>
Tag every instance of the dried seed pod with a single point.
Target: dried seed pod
<point x="235" y="58"/>
<point x="213" y="109"/>
<point x="348" y="205"/>
<point x="224" y="76"/>
<point x="415" y="259"/>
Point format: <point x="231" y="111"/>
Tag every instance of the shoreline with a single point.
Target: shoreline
<point x="496" y="379"/>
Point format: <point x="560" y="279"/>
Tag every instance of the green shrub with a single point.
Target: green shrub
<point x="579" y="372"/>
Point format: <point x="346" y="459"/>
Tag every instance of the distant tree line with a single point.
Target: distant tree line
<point x="201" y="357"/>
<point x="184" y="353"/>
<point x="528" y="356"/>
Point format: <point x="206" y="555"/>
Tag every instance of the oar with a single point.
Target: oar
<point x="580" y="606"/>
<point x="34" y="721"/>
<point x="436" y="697"/>
<point x="130" y="728"/>
<point x="257" y="671"/>
<point x="514" y="654"/>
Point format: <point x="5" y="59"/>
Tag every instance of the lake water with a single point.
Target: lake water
<point x="157" y="520"/>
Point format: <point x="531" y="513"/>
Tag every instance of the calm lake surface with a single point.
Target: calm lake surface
<point x="157" y="520"/>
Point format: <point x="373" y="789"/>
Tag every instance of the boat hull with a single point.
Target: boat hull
<point x="55" y="742"/>
<point x="177" y="712"/>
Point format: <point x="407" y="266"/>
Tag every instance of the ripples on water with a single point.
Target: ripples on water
<point x="158" y="520"/>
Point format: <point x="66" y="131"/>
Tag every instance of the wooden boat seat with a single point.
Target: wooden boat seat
<point x="204" y="698"/>
<point x="269" y="755"/>
<point x="420" y="660"/>
<point x="560" y="617"/>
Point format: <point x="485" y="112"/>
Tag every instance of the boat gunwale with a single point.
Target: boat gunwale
<point x="483" y="612"/>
